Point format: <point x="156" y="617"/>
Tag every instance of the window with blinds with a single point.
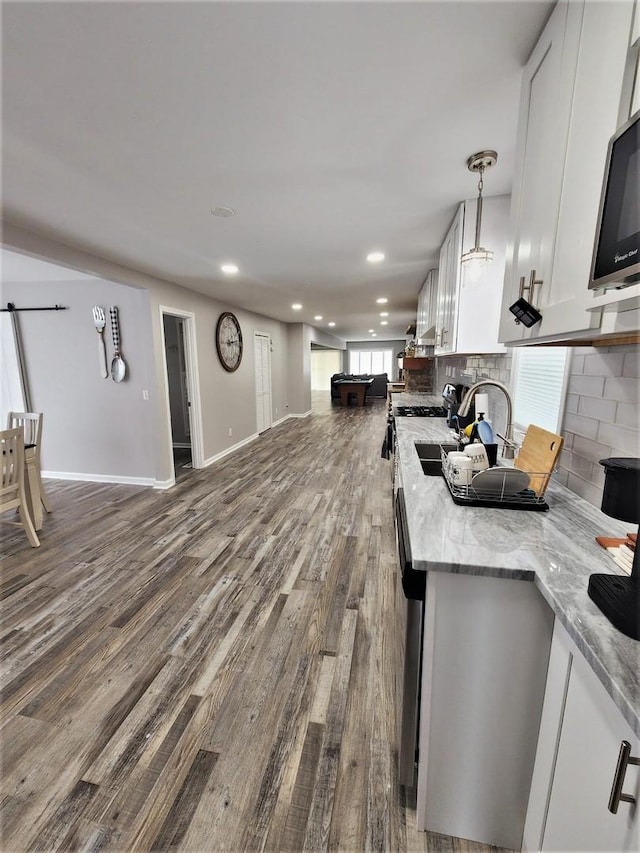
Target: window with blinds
<point x="371" y="361"/>
<point x="539" y="386"/>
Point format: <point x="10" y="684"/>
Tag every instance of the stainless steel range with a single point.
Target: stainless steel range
<point x="420" y="412"/>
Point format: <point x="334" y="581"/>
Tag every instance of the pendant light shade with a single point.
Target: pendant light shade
<point x="478" y="256"/>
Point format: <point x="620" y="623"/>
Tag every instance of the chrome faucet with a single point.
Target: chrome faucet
<point x="509" y="446"/>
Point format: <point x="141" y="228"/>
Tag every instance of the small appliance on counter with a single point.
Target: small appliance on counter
<point x="453" y="395"/>
<point x="619" y="597"/>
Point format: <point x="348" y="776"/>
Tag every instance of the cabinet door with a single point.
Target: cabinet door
<point x="480" y="288"/>
<point x="545" y="110"/>
<point x="427" y="308"/>
<point x="432" y="301"/>
<point x="420" y="327"/>
<point x="591" y="733"/>
<point x="600" y="71"/>
<point x="448" y="286"/>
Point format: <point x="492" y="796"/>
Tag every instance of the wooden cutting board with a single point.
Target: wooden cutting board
<point x="538" y="454"/>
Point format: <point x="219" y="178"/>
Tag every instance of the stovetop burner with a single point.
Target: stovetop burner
<point x="421" y="411"/>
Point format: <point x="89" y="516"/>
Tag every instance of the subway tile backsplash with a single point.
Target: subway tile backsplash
<point x="600" y="417"/>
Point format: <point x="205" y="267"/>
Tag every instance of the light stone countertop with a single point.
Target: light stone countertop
<point x="555" y="549"/>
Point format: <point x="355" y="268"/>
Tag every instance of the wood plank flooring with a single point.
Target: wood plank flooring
<point x="215" y="667"/>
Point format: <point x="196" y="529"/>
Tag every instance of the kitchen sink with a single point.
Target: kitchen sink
<point x="430" y="456"/>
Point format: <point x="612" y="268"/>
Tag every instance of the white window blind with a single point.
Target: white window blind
<point x="371" y="361"/>
<point x="538" y="384"/>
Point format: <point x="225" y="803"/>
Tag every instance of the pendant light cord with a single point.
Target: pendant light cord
<point x="479" y="210"/>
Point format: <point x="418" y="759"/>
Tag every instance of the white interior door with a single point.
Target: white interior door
<point x="262" y="358"/>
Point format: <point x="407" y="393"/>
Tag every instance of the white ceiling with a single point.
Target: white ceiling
<point x="332" y="129"/>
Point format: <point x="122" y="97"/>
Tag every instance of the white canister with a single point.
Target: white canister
<point x="478" y="455"/>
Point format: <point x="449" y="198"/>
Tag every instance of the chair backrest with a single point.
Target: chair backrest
<point x="31" y="425"/>
<point x="11" y="467"/>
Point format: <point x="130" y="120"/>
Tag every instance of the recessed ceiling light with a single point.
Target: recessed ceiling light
<point x="296" y="306"/>
<point x="382" y="301"/>
<point x="331" y="324"/>
<point x="375" y="257"/>
<point x="384" y="322"/>
<point x="318" y="317"/>
<point x="384" y="313"/>
<point x="225" y="212"/>
<point x="370" y="331"/>
<point x="374" y="335"/>
<point x="229" y="269"/>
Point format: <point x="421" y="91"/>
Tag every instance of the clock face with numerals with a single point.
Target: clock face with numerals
<point x="229" y="341"/>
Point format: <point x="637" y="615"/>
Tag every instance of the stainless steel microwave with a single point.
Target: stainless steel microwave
<point x="616" y="252"/>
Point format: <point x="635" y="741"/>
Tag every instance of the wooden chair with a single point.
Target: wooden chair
<point x="12" y="493"/>
<point x="31" y="424"/>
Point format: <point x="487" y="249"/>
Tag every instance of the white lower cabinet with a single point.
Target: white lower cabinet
<point x="576" y="760"/>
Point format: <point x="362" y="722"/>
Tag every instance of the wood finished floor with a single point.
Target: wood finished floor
<point x="214" y="667"/>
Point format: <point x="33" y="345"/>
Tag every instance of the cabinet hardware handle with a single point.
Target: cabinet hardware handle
<point x="445" y="332"/>
<point x="616" y="796"/>
<point x="529" y="288"/>
<point x="522" y="286"/>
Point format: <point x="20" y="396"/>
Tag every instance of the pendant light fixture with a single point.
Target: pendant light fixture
<point x="479" y="163"/>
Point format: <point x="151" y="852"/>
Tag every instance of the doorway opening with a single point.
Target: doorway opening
<point x="182" y="391"/>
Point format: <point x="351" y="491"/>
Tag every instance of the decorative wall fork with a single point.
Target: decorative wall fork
<point x="99" y="321"/>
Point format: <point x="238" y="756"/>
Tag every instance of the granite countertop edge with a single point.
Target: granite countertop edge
<point x="556" y="550"/>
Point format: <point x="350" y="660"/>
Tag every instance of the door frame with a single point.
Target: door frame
<point x="193" y="384"/>
<point x="258" y="334"/>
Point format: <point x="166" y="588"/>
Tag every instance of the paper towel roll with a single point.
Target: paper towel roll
<point x="481" y="402"/>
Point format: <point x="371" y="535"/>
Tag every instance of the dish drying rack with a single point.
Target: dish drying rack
<point x="469" y="496"/>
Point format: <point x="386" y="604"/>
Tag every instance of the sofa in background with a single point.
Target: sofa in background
<point x="378" y="389"/>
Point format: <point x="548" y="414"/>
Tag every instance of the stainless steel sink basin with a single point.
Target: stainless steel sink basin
<point x="430" y="456"/>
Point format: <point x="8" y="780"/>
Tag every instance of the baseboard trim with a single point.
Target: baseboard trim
<point x="280" y="421"/>
<point x="164" y="484"/>
<point x="303" y="415"/>
<point x="99" y="478"/>
<point x="229" y="450"/>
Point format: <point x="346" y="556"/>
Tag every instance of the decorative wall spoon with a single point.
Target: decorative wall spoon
<point x="118" y="366"/>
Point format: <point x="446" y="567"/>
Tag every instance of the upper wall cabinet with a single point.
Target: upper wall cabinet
<point x="468" y="303"/>
<point x="570" y="100"/>
<point x="427" y="304"/>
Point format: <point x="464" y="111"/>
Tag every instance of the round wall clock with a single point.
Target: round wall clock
<point x="229" y="341"/>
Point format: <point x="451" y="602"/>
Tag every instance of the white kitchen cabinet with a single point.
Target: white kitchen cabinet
<point x="427" y="305"/>
<point x="570" y="99"/>
<point x="448" y="284"/>
<point x="468" y="301"/>
<point x="580" y="737"/>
